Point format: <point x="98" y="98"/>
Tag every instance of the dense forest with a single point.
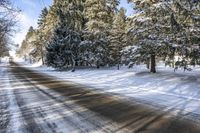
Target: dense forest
<point x="97" y="33"/>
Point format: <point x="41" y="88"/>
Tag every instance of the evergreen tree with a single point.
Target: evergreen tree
<point x="50" y="22"/>
<point x="118" y="36"/>
<point x="42" y="17"/>
<point x="171" y="26"/>
<point x="113" y="4"/>
<point x="151" y="31"/>
<point x="76" y="8"/>
<point x="98" y="17"/>
<point x="185" y="25"/>
<point x="42" y="34"/>
<point x="63" y="48"/>
<point x="28" y="45"/>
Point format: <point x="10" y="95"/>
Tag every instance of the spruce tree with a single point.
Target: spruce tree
<point x="42" y="17"/>
<point x="118" y="36"/>
<point x="171" y="25"/>
<point x="185" y="25"/>
<point x="98" y="17"/>
<point x="63" y="49"/>
<point x="42" y="35"/>
<point x="151" y="31"/>
<point x="28" y="45"/>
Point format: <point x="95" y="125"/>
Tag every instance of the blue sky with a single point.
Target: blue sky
<point x="31" y="10"/>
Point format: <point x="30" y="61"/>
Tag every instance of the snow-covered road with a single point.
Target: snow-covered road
<point x="28" y="107"/>
<point x="34" y="102"/>
<point x="179" y="90"/>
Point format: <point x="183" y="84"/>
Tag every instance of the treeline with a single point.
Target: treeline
<point x="98" y="33"/>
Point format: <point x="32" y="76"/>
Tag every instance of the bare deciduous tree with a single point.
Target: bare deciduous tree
<point x="7" y="23"/>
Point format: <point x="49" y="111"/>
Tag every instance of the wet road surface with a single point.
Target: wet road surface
<point x="31" y="102"/>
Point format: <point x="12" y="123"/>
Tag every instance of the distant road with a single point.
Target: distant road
<point x="31" y="102"/>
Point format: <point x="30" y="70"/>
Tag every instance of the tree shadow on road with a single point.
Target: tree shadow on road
<point x="132" y="115"/>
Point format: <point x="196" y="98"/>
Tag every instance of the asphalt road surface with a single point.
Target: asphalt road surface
<point x="31" y="102"/>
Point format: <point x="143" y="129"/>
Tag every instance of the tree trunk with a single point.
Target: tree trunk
<point x="42" y="55"/>
<point x="98" y="66"/>
<point x="118" y="66"/>
<point x="148" y="63"/>
<point x="173" y="63"/>
<point x="73" y="65"/>
<point x="153" y="63"/>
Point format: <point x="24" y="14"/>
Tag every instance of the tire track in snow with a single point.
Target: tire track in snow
<point x="128" y="114"/>
<point x="11" y="120"/>
<point x="74" y="118"/>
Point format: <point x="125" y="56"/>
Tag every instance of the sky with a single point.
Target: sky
<point x="31" y="9"/>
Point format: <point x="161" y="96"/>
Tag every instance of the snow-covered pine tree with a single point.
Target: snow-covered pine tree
<point x="113" y="4"/>
<point x="117" y="36"/>
<point x="99" y="18"/>
<point x="28" y="45"/>
<point x="62" y="50"/>
<point x="151" y="31"/>
<point x="186" y="29"/>
<point x="51" y="21"/>
<point x="42" y="36"/>
<point x="76" y="8"/>
<point x="42" y="17"/>
<point x="176" y="24"/>
<point x="37" y="40"/>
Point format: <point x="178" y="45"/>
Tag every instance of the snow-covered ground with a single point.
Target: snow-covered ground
<point x="172" y="90"/>
<point x="9" y="110"/>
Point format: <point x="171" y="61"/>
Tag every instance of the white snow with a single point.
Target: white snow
<point x="14" y="111"/>
<point x="174" y="90"/>
<point x="48" y="113"/>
